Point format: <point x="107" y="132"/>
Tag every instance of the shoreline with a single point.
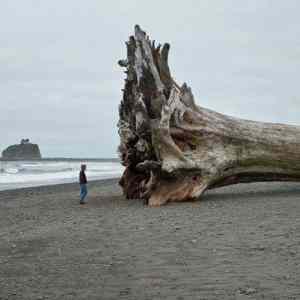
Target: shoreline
<point x="57" y="186"/>
<point x="64" y="159"/>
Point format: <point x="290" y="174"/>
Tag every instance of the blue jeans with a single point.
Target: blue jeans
<point x="83" y="192"/>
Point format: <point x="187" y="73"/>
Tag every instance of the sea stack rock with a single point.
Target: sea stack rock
<point x="23" y="151"/>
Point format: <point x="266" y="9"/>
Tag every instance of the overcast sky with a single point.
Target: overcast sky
<point x="60" y="84"/>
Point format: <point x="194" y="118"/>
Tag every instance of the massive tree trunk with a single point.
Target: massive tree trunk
<point x="174" y="150"/>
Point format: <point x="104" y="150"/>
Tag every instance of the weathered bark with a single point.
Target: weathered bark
<point x="174" y="150"/>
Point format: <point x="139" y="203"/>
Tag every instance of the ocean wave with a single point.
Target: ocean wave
<point x="23" y="170"/>
<point x="20" y="174"/>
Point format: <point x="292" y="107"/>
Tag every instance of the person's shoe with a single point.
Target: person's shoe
<point x="81" y="202"/>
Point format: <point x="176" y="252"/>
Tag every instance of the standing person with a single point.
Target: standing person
<point x="83" y="184"/>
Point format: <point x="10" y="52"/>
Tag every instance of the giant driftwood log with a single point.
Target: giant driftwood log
<point x="174" y="150"/>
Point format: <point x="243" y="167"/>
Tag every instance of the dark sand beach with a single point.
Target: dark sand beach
<point x="239" y="242"/>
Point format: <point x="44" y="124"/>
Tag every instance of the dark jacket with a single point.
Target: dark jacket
<point x="82" y="178"/>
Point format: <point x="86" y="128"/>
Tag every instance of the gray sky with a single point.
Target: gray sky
<point x="60" y="84"/>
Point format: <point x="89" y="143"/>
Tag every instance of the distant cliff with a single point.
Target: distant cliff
<point x="25" y="150"/>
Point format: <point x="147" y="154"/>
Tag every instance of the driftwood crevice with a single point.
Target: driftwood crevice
<point x="174" y="150"/>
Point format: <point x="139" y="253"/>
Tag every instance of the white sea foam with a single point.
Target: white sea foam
<point x="17" y="174"/>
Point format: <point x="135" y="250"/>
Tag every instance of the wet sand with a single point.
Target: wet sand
<point x="240" y="242"/>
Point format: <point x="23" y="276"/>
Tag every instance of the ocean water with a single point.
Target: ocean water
<point x="19" y="174"/>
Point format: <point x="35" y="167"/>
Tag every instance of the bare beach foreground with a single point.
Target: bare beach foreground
<point x="239" y="242"/>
